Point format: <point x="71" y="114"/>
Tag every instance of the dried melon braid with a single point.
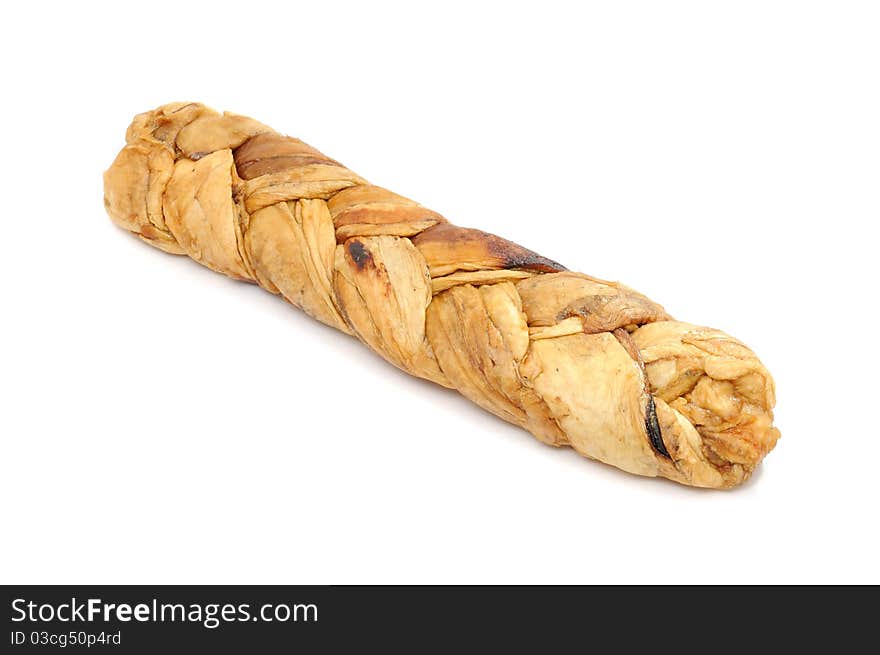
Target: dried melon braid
<point x="575" y="360"/>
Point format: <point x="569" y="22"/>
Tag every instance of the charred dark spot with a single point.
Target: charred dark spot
<point x="653" y="428"/>
<point x="359" y="255"/>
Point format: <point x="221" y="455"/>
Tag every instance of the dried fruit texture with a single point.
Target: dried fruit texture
<point x="575" y="360"/>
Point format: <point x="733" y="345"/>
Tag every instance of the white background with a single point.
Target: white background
<point x="163" y="424"/>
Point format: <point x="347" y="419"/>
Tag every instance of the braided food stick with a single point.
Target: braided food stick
<point x="575" y="360"/>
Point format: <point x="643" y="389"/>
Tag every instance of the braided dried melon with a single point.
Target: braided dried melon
<point x="575" y="360"/>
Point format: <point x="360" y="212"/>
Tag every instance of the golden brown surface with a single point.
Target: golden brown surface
<point x="574" y="360"/>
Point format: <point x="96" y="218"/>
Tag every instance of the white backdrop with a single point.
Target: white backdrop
<point x="163" y="424"/>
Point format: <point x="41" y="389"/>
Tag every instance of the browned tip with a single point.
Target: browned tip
<point x="448" y="248"/>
